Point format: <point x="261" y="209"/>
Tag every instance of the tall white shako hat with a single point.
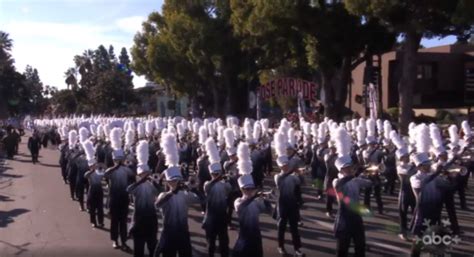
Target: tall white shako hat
<point x="89" y="151"/>
<point x="343" y="143"/>
<point x="244" y="165"/>
<point x="170" y="150"/>
<point x="143" y="153"/>
<point x="214" y="157"/>
<point x="371" y="135"/>
<point x="116" y="144"/>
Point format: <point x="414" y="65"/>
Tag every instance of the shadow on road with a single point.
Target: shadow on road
<point x="21" y="248"/>
<point x="7" y="217"/>
<point x="4" y="198"/>
<point x="49" y="165"/>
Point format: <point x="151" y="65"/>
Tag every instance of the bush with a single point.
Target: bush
<point x="445" y="117"/>
<point x="393" y="112"/>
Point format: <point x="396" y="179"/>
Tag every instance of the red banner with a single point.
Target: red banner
<point x="288" y="87"/>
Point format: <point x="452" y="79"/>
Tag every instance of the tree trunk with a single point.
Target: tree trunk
<point x="215" y="101"/>
<point x="407" y="80"/>
<point x="335" y="85"/>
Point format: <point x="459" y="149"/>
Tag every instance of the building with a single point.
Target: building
<point x="157" y="99"/>
<point x="445" y="80"/>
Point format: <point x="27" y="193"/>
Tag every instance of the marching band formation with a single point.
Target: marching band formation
<point x="160" y="166"/>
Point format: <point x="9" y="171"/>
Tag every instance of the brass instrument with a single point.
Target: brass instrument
<point x="374" y="169"/>
<point x="461" y="170"/>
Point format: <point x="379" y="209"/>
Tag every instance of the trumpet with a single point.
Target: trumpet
<point x="458" y="169"/>
<point x="374" y="169"/>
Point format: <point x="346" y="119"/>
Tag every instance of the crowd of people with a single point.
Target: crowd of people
<point x="162" y="165"/>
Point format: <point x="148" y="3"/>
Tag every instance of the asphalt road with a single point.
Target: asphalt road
<point x="37" y="218"/>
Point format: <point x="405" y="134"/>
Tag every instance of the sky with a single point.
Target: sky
<point x="47" y="34"/>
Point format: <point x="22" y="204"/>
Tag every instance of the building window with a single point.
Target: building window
<point x="424" y="71"/>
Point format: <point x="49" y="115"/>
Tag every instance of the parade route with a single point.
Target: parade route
<point x="38" y="218"/>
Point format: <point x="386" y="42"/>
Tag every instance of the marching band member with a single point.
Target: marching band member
<point x="230" y="167"/>
<point x="248" y="208"/>
<point x="119" y="177"/>
<point x="175" y="238"/>
<point x="217" y="192"/>
<point x="348" y="225"/>
<point x="372" y="156"/>
<point x="95" y="194"/>
<point x="406" y="198"/>
<point x="145" y="221"/>
<point x="290" y="198"/>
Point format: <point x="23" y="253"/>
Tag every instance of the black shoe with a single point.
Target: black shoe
<point x="94" y="225"/>
<point x="329" y="214"/>
<point x="101" y="225"/>
<point x="126" y="248"/>
<point x="115" y="245"/>
<point x="298" y="253"/>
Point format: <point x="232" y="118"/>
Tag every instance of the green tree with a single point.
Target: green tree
<point x="414" y="20"/>
<point x="124" y="59"/>
<point x="192" y="49"/>
<point x="103" y="86"/>
<point x="309" y="39"/>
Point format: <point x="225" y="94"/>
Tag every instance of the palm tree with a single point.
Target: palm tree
<point x="6" y="43"/>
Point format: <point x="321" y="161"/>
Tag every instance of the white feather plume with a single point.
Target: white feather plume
<point x="292" y="137"/>
<point x="343" y="141"/>
<point x="149" y="126"/>
<point x="83" y="134"/>
<point x="212" y="152"/>
<point x="143" y="152"/>
<point x="396" y="140"/>
<point x="387" y="129"/>
<point x="453" y="134"/>
<point x="236" y="130"/>
<point x="265" y="124"/>
<point x="466" y="128"/>
<point x="202" y="135"/>
<point x="116" y="138"/>
<point x="380" y="126"/>
<point x="181" y="130"/>
<point x="279" y="140"/>
<point x="257" y="130"/>
<point x="371" y="127"/>
<point x="314" y="130"/>
<point x="72" y="138"/>
<point x="220" y="134"/>
<point x="107" y="129"/>
<point x="435" y="136"/>
<point x="423" y="139"/>
<point x="93" y="129"/>
<point x="141" y="130"/>
<point x="229" y="137"/>
<point x="129" y="138"/>
<point x="248" y="131"/>
<point x="170" y="149"/>
<point x="244" y="163"/>
<point x="88" y="149"/>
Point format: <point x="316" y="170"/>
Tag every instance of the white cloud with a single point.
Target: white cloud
<point x="25" y="10"/>
<point x="50" y="47"/>
<point x="131" y="24"/>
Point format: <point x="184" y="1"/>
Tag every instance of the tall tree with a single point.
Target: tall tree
<point x="124" y="59"/>
<point x="414" y="20"/>
<point x="192" y="49"/>
<point x="307" y="38"/>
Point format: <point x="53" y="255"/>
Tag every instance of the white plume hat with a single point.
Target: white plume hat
<point x="244" y="164"/>
<point x="142" y="157"/>
<point x="72" y="138"/>
<point x="89" y="151"/>
<point x="229" y="137"/>
<point x="214" y="157"/>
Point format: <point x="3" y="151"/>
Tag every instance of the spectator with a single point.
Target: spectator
<point x="34" y="145"/>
